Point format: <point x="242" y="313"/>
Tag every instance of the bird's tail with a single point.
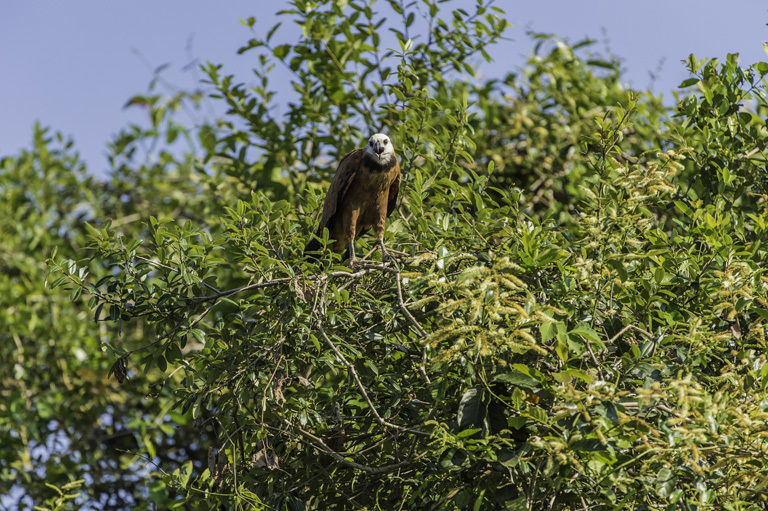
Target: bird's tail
<point x="310" y="251"/>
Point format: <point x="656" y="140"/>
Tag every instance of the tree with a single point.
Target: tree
<point x="576" y="320"/>
<point x="63" y="422"/>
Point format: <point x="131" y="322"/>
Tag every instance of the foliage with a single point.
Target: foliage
<point x="537" y="137"/>
<point x="61" y="417"/>
<point x="576" y="319"/>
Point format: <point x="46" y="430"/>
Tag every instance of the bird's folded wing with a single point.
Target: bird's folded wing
<point x="345" y="174"/>
<point x="394" y="188"/>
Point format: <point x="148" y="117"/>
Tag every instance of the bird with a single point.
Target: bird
<point x="362" y="195"/>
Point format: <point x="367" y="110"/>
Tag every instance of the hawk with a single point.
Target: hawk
<point x="362" y="195"/>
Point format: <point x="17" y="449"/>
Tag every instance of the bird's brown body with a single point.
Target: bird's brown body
<point x="362" y="195"/>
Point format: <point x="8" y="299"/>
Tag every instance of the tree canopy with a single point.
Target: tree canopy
<point x="575" y="318"/>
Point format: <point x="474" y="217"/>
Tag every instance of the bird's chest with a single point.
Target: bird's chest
<point x="368" y="196"/>
<point x="375" y="183"/>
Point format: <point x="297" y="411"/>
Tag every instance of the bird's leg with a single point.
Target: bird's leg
<point x="351" y="252"/>
<point x="379" y="230"/>
<point x="350" y="233"/>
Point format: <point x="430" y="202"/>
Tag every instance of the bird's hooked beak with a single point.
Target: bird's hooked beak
<point x="379" y="148"/>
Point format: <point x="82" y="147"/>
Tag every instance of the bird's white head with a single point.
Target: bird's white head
<point x="380" y="148"/>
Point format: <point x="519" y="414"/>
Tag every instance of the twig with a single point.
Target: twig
<point x="318" y="443"/>
<point x="446" y="498"/>
<point x="592" y="355"/>
<point x="650" y="336"/>
<point x="405" y="310"/>
<point x="126" y="219"/>
<point x="621" y="332"/>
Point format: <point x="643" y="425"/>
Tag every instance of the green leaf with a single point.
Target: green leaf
<point x="470" y="409"/>
<point x="762" y="68"/>
<point x="44" y="410"/>
<point x="536" y="413"/>
<point x="578" y="373"/>
<point x="561" y="349"/>
<point x="515" y="377"/>
<point x="467" y="432"/>
<point x="688" y="82"/>
<point x="587" y="333"/>
<point x="281" y="51"/>
<point x="92" y="231"/>
<point x="547" y="330"/>
<point x="158" y="492"/>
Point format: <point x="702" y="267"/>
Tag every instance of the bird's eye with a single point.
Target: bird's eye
<point x="370" y="143"/>
<point x="386" y="142"/>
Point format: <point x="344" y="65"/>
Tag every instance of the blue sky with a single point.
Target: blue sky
<point x="73" y="65"/>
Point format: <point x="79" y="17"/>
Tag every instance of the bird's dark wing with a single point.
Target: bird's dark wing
<point x="345" y="174"/>
<point x="394" y="189"/>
